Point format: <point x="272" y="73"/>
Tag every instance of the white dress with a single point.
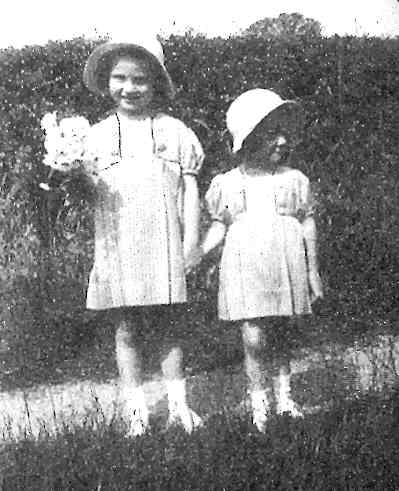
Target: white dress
<point x="138" y="229"/>
<point x="263" y="270"/>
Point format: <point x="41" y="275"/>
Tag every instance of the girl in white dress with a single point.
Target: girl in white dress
<point x="263" y="209"/>
<point x="146" y="218"/>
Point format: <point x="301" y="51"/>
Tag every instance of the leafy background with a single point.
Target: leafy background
<point x="350" y="90"/>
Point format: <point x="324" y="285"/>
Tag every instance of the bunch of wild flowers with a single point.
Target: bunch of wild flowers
<point x="66" y="155"/>
<point x="64" y="142"/>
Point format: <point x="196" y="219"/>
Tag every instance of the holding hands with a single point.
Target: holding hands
<point x="214" y="237"/>
<point x="192" y="258"/>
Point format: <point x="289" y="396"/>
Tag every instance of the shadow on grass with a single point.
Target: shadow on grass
<point x="85" y="350"/>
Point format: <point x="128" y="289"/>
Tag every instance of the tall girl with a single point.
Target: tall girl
<point x="146" y="218"/>
<point x="263" y="209"/>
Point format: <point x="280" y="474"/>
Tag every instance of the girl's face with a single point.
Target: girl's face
<point x="269" y="144"/>
<point x="273" y="149"/>
<point x="265" y="149"/>
<point x="131" y="86"/>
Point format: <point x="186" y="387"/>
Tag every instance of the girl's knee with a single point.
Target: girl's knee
<point x="123" y="334"/>
<point x="172" y="363"/>
<point x="128" y="326"/>
<point x="174" y="353"/>
<point x="252" y="336"/>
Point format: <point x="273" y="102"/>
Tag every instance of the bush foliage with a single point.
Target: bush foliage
<point x="350" y="90"/>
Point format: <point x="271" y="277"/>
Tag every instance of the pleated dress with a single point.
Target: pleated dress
<point x="263" y="270"/>
<point x="140" y="164"/>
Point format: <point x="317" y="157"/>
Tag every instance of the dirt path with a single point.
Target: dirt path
<point x="318" y="374"/>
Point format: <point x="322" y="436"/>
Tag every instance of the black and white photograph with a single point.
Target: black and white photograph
<point x="199" y="245"/>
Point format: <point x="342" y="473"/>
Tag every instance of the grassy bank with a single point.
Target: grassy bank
<point x="353" y="446"/>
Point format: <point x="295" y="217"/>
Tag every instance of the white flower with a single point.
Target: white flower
<point x="49" y="121"/>
<point x="64" y="142"/>
<point x="75" y="127"/>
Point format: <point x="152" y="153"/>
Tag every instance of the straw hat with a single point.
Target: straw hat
<point x="149" y="48"/>
<point x="249" y="109"/>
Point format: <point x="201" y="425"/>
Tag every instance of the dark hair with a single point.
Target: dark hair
<point x="286" y="119"/>
<point x="159" y="81"/>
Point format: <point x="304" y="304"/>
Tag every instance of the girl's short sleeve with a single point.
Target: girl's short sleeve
<point x="214" y="200"/>
<point x="191" y="152"/>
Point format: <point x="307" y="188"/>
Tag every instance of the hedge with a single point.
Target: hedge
<point x="350" y="90"/>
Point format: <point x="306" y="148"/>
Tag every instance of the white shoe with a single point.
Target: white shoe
<point x="259" y="419"/>
<point x="186" y="417"/>
<point x="134" y="411"/>
<point x="289" y="406"/>
<point x="179" y="412"/>
<point x="137" y="424"/>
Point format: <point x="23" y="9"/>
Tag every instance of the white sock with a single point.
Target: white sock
<point x="177" y="394"/>
<point x="259" y="401"/>
<point x="133" y="399"/>
<point x="178" y="408"/>
<point x="282" y="389"/>
<point x="260" y="409"/>
<point x="285" y="379"/>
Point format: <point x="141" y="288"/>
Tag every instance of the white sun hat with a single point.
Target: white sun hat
<point x="248" y="110"/>
<point x="146" y="46"/>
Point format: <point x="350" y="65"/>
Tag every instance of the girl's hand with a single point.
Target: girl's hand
<point x="316" y="287"/>
<point x="192" y="258"/>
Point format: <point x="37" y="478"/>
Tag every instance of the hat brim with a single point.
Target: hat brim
<point x="290" y="113"/>
<point x="95" y="63"/>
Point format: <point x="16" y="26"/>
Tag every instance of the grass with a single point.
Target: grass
<point x="353" y="446"/>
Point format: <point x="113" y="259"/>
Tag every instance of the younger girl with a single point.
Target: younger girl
<point x="146" y="218"/>
<point x="264" y="210"/>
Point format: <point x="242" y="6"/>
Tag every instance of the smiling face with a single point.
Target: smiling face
<point x="131" y="86"/>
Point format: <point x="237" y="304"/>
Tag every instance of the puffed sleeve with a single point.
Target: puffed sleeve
<point x="214" y="200"/>
<point x="191" y="152"/>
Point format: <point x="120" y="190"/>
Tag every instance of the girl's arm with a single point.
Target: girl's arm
<point x="216" y="232"/>
<point x="215" y="235"/>
<point x="191" y="215"/>
<point x="310" y="236"/>
<point x="213" y="238"/>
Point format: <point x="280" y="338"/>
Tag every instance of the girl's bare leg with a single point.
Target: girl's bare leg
<point x="129" y="362"/>
<point x="254" y="343"/>
<point x="172" y="364"/>
<point x="128" y="357"/>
